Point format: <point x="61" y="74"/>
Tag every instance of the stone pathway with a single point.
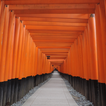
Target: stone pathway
<point x="52" y="93"/>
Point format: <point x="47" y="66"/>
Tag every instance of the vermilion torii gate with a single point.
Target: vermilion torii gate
<point x="71" y="32"/>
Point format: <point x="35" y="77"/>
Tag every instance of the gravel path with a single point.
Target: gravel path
<point x="80" y="99"/>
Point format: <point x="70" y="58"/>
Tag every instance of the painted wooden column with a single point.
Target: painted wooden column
<point x="10" y="45"/>
<point x="4" y="43"/>
<point x="30" y="58"/>
<point x="8" y="68"/>
<point x="43" y="65"/>
<point x="33" y="57"/>
<point x="101" y="41"/>
<point x="21" y="54"/>
<point x="93" y="52"/>
<point x="15" y="50"/>
<point x="27" y="55"/>
<point x="19" y="49"/>
<point x="85" y="61"/>
<point x="88" y="53"/>
<point x="93" y="49"/>
<point x="36" y="62"/>
<point x="100" y="18"/>
<point x="2" y="19"/>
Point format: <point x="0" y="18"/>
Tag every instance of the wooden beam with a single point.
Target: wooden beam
<point x="36" y="23"/>
<point x="55" y="34"/>
<point x="55" y="28"/>
<point x="52" y="6"/>
<point x="57" y="54"/>
<point x="70" y="33"/>
<point x="18" y="2"/>
<point x="55" y="60"/>
<point x="56" y="41"/>
<point x="56" y="57"/>
<point x="54" y="37"/>
<point x="52" y="44"/>
<point x="49" y="11"/>
<point x="62" y="16"/>
<point x="65" y="20"/>
<point x="54" y="50"/>
<point x="54" y="31"/>
<point x="52" y="47"/>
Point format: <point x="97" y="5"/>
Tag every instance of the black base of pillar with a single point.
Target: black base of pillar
<point x="91" y="89"/>
<point x="13" y="90"/>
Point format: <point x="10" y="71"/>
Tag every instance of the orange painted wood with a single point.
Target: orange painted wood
<point x="53" y="32"/>
<point x="52" y="39"/>
<point x="0" y="8"/>
<point x="19" y="49"/>
<point x="50" y="2"/>
<point x="85" y="57"/>
<point x="88" y="57"/>
<point x="56" y="16"/>
<point x="59" y="45"/>
<point x="33" y="58"/>
<point x="38" y="61"/>
<point x="54" y="50"/>
<point x="35" y="63"/>
<point x="55" y="35"/>
<point x="3" y="74"/>
<point x="81" y="56"/>
<point x="2" y="15"/>
<point x="25" y="55"/>
<point x="56" y="60"/>
<point x="43" y="63"/>
<point x="36" y="23"/>
<point x="105" y="6"/>
<point x="54" y="19"/>
<point x="42" y="47"/>
<point x="88" y="53"/>
<point x="15" y="50"/>
<point x="93" y="51"/>
<point x="60" y="29"/>
<point x="9" y="60"/>
<point x="55" y="28"/>
<point x="52" y="6"/>
<point x="29" y="58"/>
<point x="58" y="11"/>
<point x="69" y="65"/>
<point x="56" y="41"/>
<point x="100" y="23"/>
<point x="21" y="72"/>
<point x="26" y="52"/>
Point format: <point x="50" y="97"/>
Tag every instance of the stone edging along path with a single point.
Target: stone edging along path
<point x="24" y="99"/>
<point x="80" y="99"/>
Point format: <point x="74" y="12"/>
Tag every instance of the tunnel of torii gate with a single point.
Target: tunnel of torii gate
<point x="37" y="36"/>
